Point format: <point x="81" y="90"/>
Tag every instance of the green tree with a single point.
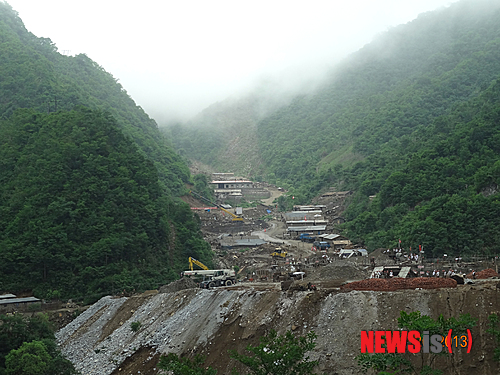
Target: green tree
<point x="185" y="366"/>
<point x="279" y="355"/>
<point x="16" y="329"/>
<point x="38" y="357"/>
<point x="135" y="326"/>
<point x="32" y="358"/>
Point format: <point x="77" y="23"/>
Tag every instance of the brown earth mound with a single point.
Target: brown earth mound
<point x="387" y="285"/>
<point x="343" y="269"/>
<point x="484" y="274"/>
<point x="181" y="284"/>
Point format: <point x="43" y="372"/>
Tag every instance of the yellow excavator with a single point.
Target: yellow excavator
<point x="235" y="217"/>
<point x="197" y="262"/>
<point x="278" y="252"/>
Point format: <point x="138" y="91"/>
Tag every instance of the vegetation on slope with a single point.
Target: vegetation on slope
<point x="224" y="135"/>
<point x="445" y="197"/>
<point x="82" y="211"/>
<point x="383" y="93"/>
<point x="28" y="346"/>
<point x="86" y="195"/>
<point x="35" y="75"/>
<point x="417" y="108"/>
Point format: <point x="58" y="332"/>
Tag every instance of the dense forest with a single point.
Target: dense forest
<point x="445" y="197"/>
<point x="87" y="181"/>
<point x="28" y="346"/>
<point x="408" y="124"/>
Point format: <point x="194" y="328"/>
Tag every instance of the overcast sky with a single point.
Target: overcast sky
<point x="176" y="57"/>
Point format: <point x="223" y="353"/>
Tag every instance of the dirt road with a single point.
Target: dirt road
<point x="273" y="233"/>
<point x="275" y="193"/>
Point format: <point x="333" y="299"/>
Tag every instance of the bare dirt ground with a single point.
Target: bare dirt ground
<point x="275" y="194"/>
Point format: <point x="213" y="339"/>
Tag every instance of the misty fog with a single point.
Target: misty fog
<point x="176" y="58"/>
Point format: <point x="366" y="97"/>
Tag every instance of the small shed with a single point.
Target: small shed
<point x="315" y="229"/>
<point x="14" y="304"/>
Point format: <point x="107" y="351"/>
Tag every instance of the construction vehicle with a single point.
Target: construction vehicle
<point x="279" y="253"/>
<point x="235" y="217"/>
<point x="221" y="277"/>
<point x="192" y="272"/>
<point x="210" y="278"/>
<point x="321" y="245"/>
<point x="307" y="237"/>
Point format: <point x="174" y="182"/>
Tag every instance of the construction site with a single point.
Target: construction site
<point x="283" y="271"/>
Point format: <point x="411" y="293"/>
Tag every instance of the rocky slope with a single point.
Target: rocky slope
<point x="210" y="322"/>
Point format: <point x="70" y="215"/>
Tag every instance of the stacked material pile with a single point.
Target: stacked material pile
<point x="387" y="285"/>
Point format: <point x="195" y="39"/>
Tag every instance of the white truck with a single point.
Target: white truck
<point x="213" y="278"/>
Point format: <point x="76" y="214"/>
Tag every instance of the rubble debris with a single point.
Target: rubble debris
<point x="181" y="284"/>
<point x="345" y="269"/>
<point x="285" y="285"/>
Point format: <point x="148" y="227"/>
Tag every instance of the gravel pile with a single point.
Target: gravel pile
<point x="170" y="323"/>
<point x="77" y="339"/>
<point x="397" y="284"/>
<point x="181" y="284"/>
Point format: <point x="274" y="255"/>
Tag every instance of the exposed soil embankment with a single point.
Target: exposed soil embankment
<point x="211" y="322"/>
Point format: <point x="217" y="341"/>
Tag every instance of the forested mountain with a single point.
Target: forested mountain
<point x="421" y="89"/>
<point x="404" y="79"/>
<point x="34" y="75"/>
<point x="87" y="182"/>
<point x="223" y="136"/>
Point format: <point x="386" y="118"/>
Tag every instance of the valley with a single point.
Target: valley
<point x="367" y="196"/>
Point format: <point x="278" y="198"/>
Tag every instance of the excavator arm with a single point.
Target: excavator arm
<point x="197" y="262"/>
<point x="235" y="218"/>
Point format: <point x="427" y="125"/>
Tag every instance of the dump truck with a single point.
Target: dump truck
<point x="307" y="237"/>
